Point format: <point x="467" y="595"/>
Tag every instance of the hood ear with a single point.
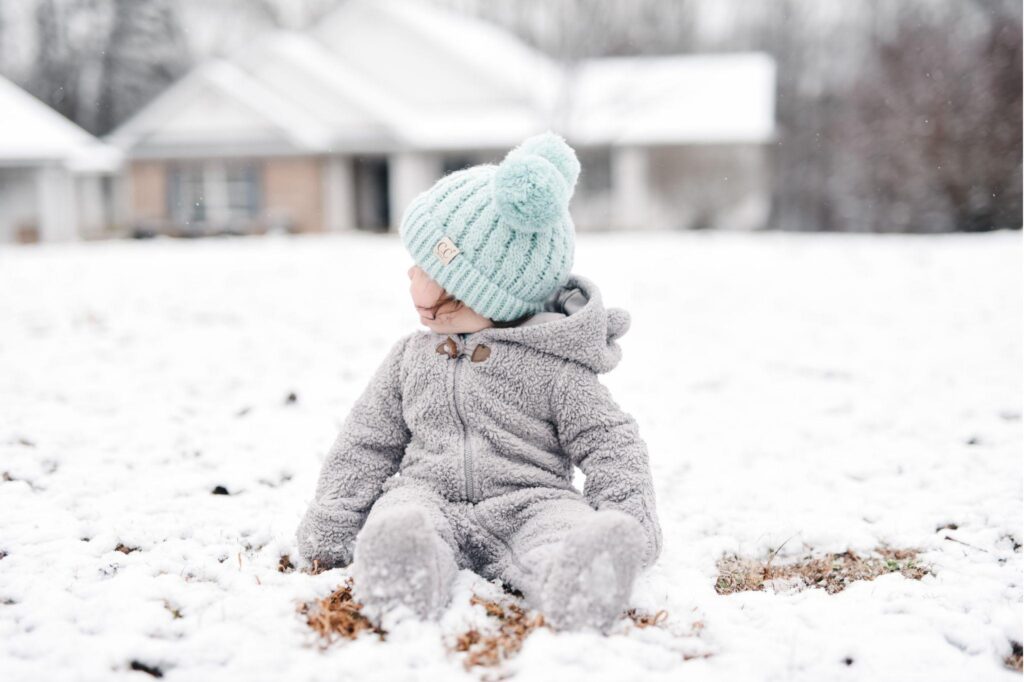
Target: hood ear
<point x="618" y="323"/>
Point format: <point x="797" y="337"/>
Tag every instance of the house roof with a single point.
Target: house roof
<point x="386" y="75"/>
<point x="706" y="99"/>
<point x="32" y="133"/>
<point x="496" y="53"/>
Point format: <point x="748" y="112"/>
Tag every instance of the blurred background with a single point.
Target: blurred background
<point x="197" y="117"/>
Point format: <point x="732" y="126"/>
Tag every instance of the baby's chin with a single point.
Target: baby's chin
<point x="448" y="327"/>
<point x="438" y="327"/>
<point x="443" y="329"/>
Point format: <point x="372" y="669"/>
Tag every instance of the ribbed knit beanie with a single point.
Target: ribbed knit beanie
<point x="499" y="237"/>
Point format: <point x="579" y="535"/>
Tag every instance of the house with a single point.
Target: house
<point x="56" y="180"/>
<point x="339" y="127"/>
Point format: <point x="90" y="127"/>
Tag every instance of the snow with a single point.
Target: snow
<point x="691" y="99"/>
<point x="34" y="133"/>
<point x="495" y="51"/>
<point x="815" y="392"/>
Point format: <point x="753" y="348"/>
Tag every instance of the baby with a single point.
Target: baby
<point x="460" y="453"/>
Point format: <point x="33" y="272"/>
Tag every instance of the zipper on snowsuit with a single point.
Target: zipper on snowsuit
<point x="467" y="453"/>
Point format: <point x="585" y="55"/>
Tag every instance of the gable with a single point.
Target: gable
<point x="218" y="106"/>
<point x="213" y="116"/>
<point x="311" y="77"/>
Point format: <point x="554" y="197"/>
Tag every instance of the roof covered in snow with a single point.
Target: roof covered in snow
<point x="724" y="98"/>
<point x="32" y="133"/>
<point x="387" y="75"/>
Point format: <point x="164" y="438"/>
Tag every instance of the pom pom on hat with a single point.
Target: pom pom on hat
<point x="553" y="148"/>
<point x="534" y="183"/>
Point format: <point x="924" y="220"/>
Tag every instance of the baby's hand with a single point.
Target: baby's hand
<point x="328" y="535"/>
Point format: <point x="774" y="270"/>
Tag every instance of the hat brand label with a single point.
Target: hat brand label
<point x="445" y="250"/>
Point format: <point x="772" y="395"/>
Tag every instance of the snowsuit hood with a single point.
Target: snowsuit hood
<point x="575" y="326"/>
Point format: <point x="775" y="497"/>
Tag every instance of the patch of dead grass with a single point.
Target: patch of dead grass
<point x="1015" y="661"/>
<point x="515" y="624"/>
<point x="173" y="610"/>
<point x="338" y="615"/>
<point x="315" y="569"/>
<point x="490" y="649"/>
<point x="832" y="573"/>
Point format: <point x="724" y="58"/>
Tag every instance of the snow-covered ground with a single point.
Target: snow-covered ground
<point x="820" y="392"/>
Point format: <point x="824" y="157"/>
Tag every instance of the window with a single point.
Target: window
<point x="456" y="162"/>
<point x="242" y="190"/>
<point x="596" y="170"/>
<point x="213" y="193"/>
<point x="187" y="200"/>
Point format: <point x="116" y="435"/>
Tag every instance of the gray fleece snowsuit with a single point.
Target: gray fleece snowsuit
<point x="460" y="454"/>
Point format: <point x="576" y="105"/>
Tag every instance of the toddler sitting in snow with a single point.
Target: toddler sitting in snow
<point x="460" y="453"/>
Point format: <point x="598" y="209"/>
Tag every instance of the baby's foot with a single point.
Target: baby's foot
<point x="400" y="561"/>
<point x="591" y="579"/>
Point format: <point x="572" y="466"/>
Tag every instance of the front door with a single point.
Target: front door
<point x="372" y="193"/>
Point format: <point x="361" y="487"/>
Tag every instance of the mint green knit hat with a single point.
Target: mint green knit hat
<point x="499" y="237"/>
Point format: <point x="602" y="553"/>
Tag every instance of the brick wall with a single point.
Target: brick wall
<point x="293" y="191"/>
<point x="149" y="190"/>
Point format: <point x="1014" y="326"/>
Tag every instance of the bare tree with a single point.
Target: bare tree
<point x="937" y="120"/>
<point x="145" y="53"/>
<point x="55" y="80"/>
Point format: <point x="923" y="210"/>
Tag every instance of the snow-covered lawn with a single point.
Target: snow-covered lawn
<point x="818" y="392"/>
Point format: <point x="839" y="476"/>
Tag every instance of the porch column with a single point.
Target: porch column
<point x="339" y="194"/>
<point x="57" y="204"/>
<point x="409" y="173"/>
<point x="630" y="187"/>
<point x="93" y="214"/>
